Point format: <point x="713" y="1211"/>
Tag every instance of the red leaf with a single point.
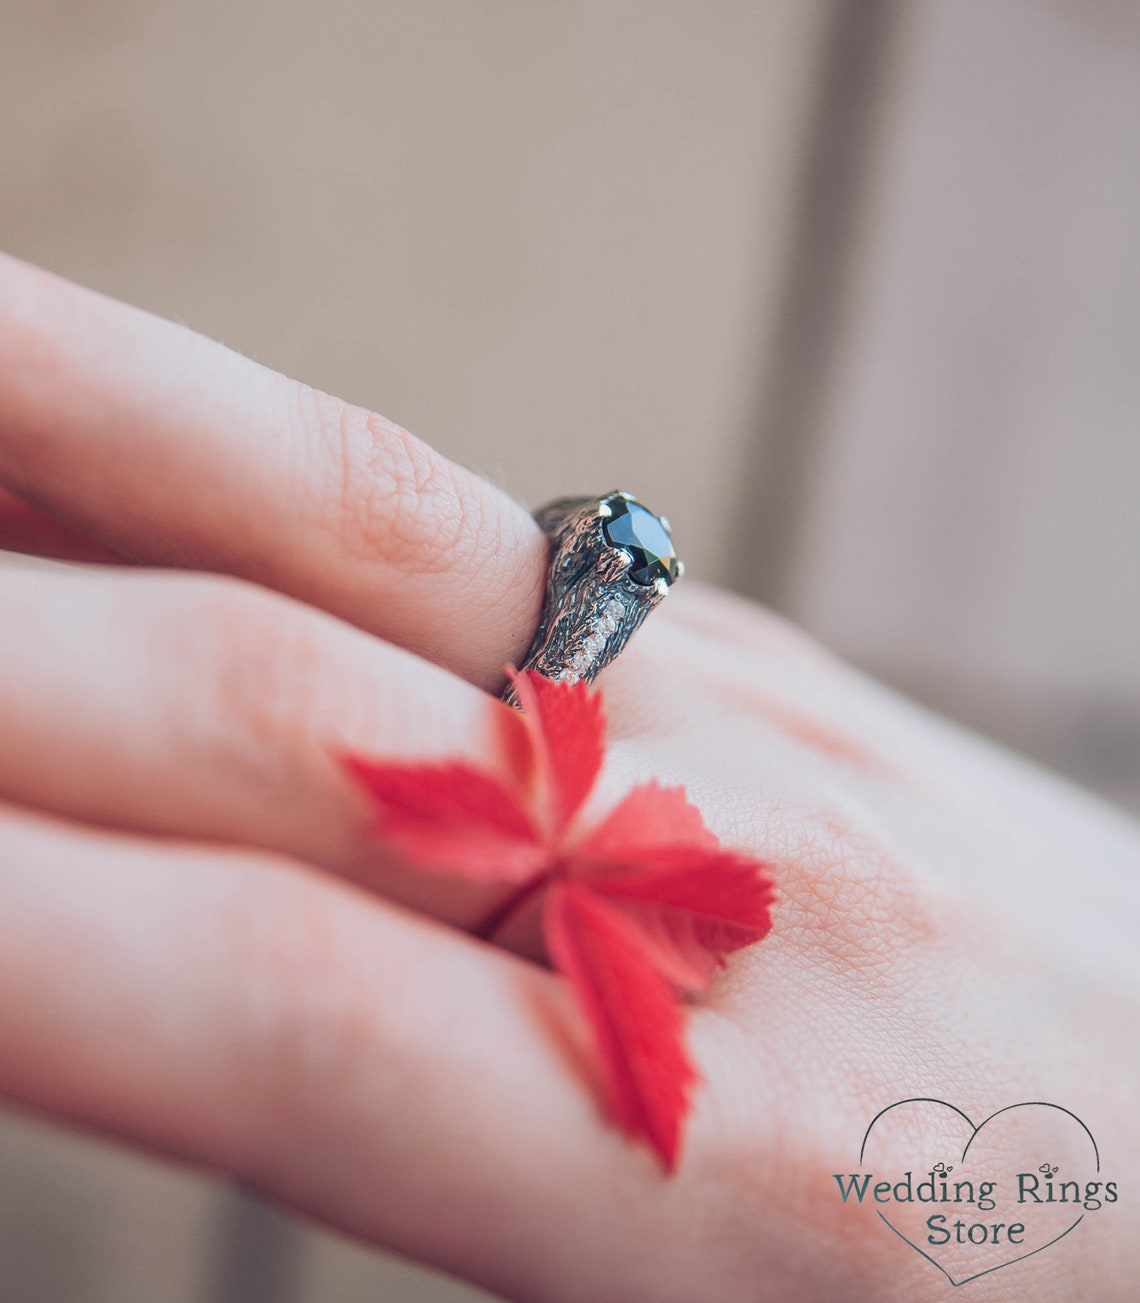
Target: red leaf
<point x="644" y="906"/>
<point x="568" y="729"/>
<point x="636" y="1024"/>
<point x="648" y="816"/>
<point x="692" y="906"/>
<point x="452" y="818"/>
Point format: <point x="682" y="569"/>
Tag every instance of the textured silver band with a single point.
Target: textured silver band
<point x="593" y="606"/>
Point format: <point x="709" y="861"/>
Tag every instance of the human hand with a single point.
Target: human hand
<point x="188" y="959"/>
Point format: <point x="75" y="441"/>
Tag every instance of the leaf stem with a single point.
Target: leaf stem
<point x="522" y="893"/>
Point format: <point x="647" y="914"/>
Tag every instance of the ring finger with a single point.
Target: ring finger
<point x="168" y="448"/>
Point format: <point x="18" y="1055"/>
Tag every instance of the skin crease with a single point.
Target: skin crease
<point x="200" y="951"/>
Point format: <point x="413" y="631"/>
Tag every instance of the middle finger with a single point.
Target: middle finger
<point x="202" y="707"/>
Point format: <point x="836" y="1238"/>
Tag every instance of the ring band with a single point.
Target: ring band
<point x="611" y="562"/>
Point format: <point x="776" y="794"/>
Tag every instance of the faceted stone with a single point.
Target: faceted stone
<point x="642" y="534"/>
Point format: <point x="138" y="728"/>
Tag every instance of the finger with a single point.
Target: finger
<point x="24" y="529"/>
<point x="207" y="708"/>
<point x="171" y="449"/>
<point x="381" y="1072"/>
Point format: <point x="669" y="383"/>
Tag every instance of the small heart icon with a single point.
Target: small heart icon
<point x="974" y="1198"/>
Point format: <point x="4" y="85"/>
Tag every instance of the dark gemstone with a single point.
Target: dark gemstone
<point x="641" y="533"/>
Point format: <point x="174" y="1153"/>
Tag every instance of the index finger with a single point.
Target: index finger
<point x="171" y="449"/>
<point x="242" y="1013"/>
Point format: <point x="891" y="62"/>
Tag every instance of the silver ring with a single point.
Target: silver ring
<point x="611" y="562"/>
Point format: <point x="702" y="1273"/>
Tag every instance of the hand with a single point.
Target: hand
<point x="199" y="949"/>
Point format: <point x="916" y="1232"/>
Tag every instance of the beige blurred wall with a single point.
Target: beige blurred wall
<point x="969" y="509"/>
<point x="547" y="237"/>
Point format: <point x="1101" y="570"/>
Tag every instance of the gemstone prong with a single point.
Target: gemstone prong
<point x="643" y="535"/>
<point x="661" y="587"/>
<point x="604" y="510"/>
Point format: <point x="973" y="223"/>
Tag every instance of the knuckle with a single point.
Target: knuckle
<point x="388" y="493"/>
<point x="744" y="625"/>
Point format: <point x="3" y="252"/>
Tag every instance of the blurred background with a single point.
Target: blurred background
<point x="850" y="288"/>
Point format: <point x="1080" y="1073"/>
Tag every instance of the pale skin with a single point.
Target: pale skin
<point x="204" y="952"/>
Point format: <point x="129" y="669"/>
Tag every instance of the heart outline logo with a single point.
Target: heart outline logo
<point x="974" y="1132"/>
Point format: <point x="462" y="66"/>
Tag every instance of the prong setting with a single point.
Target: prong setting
<point x="612" y="562"/>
